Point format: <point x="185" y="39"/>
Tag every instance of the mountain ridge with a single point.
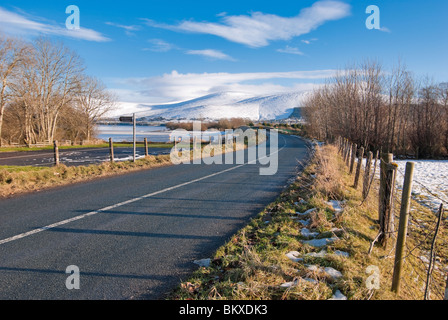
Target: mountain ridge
<point x="227" y="104"/>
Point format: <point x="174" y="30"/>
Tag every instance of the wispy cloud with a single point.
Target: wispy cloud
<point x="21" y="24"/>
<point x="128" y="29"/>
<point x="291" y="50"/>
<point x="211" y="53"/>
<point x="176" y="86"/>
<point x="259" y="29"/>
<point x="309" y="41"/>
<point x="159" y="45"/>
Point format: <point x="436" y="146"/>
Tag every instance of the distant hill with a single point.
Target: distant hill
<point x="296" y="114"/>
<point x="225" y="105"/>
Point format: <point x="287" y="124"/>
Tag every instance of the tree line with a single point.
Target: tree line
<point x="391" y="110"/>
<point x="45" y="94"/>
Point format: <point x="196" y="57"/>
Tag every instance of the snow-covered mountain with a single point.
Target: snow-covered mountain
<point x="224" y="105"/>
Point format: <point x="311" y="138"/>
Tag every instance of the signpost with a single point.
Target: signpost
<point x="135" y="137"/>
<point x="132" y="120"/>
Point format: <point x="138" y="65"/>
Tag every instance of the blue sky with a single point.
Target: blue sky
<point x="161" y="50"/>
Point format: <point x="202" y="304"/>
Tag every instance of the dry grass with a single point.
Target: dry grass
<point x="328" y="176"/>
<point x="17" y="180"/>
<point x="253" y="263"/>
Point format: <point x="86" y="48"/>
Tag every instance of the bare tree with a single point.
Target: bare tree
<point x="93" y="101"/>
<point x="378" y="109"/>
<point x="12" y="55"/>
<point x="47" y="83"/>
<point x="443" y="100"/>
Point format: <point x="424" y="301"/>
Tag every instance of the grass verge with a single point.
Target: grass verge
<point x="17" y="180"/>
<point x="270" y="259"/>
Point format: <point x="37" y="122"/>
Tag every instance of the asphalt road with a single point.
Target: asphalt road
<point x="73" y="157"/>
<point x="133" y="236"/>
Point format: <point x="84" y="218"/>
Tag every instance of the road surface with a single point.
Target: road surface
<point x="133" y="236"/>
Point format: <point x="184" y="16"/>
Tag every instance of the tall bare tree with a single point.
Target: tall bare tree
<point x="93" y="101"/>
<point x="49" y="82"/>
<point x="12" y="55"/>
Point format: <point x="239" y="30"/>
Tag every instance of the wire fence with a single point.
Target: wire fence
<point x="425" y="260"/>
<point x="82" y="155"/>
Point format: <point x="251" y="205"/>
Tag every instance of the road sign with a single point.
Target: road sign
<point x="127" y="119"/>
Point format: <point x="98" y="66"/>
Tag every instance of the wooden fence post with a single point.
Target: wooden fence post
<point x="365" y="187"/>
<point x="358" y="167"/>
<point x="146" y="148"/>
<point x="339" y="143"/>
<point x="352" y="163"/>
<point x="56" y="153"/>
<point x="111" y="150"/>
<point x="385" y="159"/>
<point x="387" y="201"/>
<point x="349" y="150"/>
<point x="403" y="225"/>
<point x="341" y="146"/>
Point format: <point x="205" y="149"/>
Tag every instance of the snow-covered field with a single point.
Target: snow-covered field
<point x="430" y="184"/>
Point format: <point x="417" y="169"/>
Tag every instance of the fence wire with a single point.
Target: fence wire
<point x="422" y="227"/>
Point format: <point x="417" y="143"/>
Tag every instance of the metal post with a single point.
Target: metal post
<point x="135" y="136"/>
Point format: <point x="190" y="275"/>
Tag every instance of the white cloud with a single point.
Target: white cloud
<point x="291" y="50"/>
<point x="17" y="24"/>
<point x="180" y="87"/>
<point x="211" y="53"/>
<point x="259" y="29"/>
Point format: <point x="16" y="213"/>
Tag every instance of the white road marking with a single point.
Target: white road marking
<point x="57" y="224"/>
